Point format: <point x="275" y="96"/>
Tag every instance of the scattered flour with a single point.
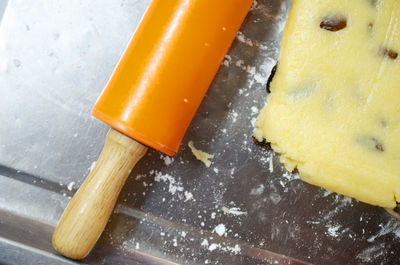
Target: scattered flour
<point x="392" y="226"/>
<point x="175" y="242"/>
<point x="333" y="230"/>
<point x="220" y="229"/>
<point x="327" y="193"/>
<point x="234" y="250"/>
<point x="174" y="185"/>
<point x="213" y="246"/>
<point x="257" y="191"/>
<point x="371" y="253"/>
<point x="139" y="176"/>
<point x="267" y="160"/>
<point x="233" y="115"/>
<point x="71" y="185"/>
<point x="254" y="110"/>
<point x="290" y="176"/>
<point x="201" y="155"/>
<point x="167" y="160"/>
<point x="204" y="243"/>
<point x="275" y="198"/>
<point x="188" y="196"/>
<point x="271" y="164"/>
<point x="253" y="121"/>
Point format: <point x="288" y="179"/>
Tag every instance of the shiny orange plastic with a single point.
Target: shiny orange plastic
<point x="172" y="59"/>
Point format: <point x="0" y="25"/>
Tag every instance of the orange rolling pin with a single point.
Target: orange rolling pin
<point x="149" y="101"/>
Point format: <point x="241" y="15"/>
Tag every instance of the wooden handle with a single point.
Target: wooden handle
<point x="88" y="212"/>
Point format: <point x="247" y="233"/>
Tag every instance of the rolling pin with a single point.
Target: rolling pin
<point x="149" y="101"/>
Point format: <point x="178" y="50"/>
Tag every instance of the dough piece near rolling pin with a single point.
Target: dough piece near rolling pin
<point x="149" y="101"/>
<point x="334" y="108"/>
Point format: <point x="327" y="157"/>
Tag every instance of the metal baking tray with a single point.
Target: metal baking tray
<point x="56" y="57"/>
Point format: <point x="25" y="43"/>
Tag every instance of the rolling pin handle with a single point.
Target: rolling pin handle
<point x="88" y="212"/>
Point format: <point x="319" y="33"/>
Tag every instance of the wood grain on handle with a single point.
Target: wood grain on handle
<point x="88" y="212"/>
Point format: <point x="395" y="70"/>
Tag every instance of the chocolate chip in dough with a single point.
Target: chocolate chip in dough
<point x="264" y="144"/>
<point x="389" y="53"/>
<point x="333" y="22"/>
<point x="373" y="2"/>
<point x="371" y="143"/>
<point x="397" y="208"/>
<point x="271" y="77"/>
<point x="384" y="124"/>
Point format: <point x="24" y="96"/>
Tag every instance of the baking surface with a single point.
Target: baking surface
<point x="56" y="59"/>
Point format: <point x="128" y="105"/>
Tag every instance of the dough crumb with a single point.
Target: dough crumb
<point x="233" y="211"/>
<point x="201" y="155"/>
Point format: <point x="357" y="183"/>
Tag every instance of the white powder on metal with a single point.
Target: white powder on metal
<point x="275" y="198"/>
<point x="188" y="196"/>
<point x="258" y="190"/>
<point x="167" y="160"/>
<point x="213" y="246"/>
<point x="392" y="226"/>
<point x="234" y="250"/>
<point x="254" y="110"/>
<point x="71" y="185"/>
<point x="175" y="242"/>
<point x="220" y="229"/>
<point x="204" y="243"/>
<point x="173" y="187"/>
<point x="371" y="253"/>
<point x="333" y="230"/>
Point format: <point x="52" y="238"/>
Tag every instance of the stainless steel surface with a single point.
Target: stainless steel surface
<point x="55" y="58"/>
<point x="3" y="5"/>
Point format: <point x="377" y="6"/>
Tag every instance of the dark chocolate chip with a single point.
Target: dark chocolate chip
<point x="389" y="53"/>
<point x="378" y="145"/>
<point x="333" y="22"/>
<point x="384" y="123"/>
<point x="264" y="144"/>
<point x="397" y="208"/>
<point x="373" y="2"/>
<point x="271" y="77"/>
<point x="371" y="143"/>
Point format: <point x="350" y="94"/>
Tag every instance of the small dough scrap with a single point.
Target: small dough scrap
<point x="201" y="155"/>
<point x="334" y="108"/>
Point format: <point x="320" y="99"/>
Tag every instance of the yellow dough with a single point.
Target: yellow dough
<point x="334" y="108"/>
